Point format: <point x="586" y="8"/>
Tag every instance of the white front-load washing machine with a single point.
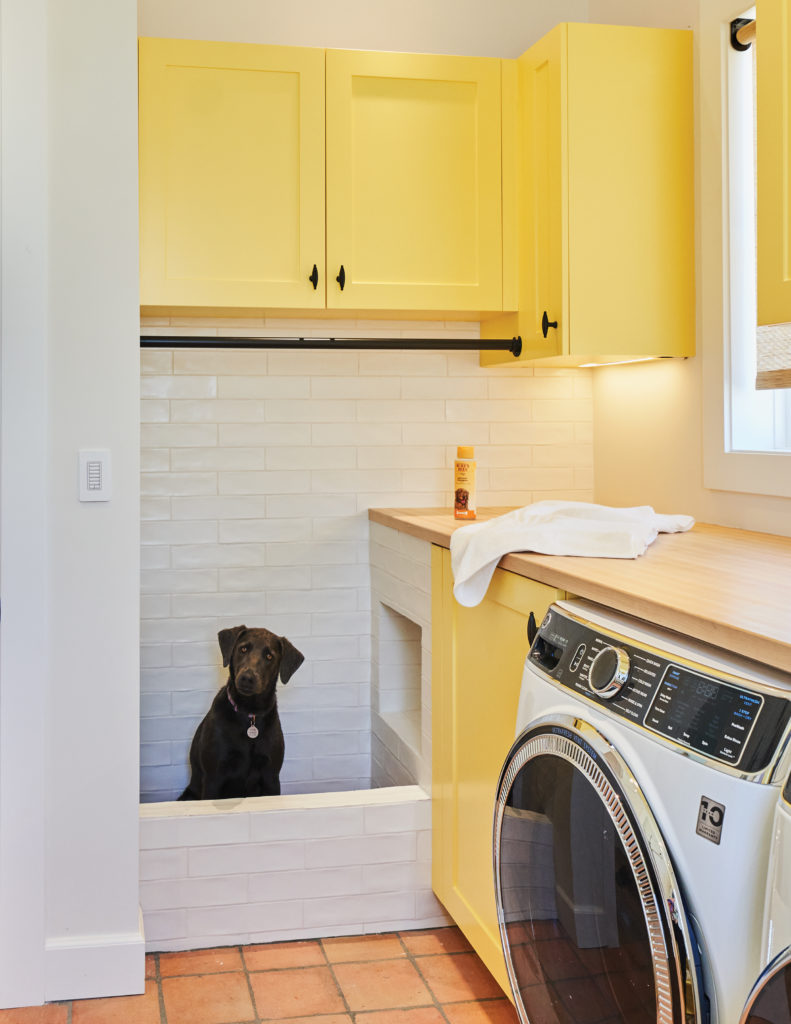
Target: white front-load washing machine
<point x="633" y="824"/>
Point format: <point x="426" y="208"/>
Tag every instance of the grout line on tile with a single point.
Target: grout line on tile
<point x="413" y="960"/>
<point x="246" y="971"/>
<point x="335" y="980"/>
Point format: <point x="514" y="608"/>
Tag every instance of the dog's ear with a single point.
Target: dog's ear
<point x="228" y="638"/>
<point x="290" y="660"/>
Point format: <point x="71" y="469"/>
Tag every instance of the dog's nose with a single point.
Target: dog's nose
<point x="245" y="682"/>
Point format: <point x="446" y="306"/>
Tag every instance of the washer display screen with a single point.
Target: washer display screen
<point x="704" y="714"/>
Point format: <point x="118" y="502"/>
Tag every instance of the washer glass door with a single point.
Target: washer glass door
<point x="770" y="999"/>
<point x="590" y="914"/>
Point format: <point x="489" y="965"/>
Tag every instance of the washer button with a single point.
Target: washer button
<point x="579" y="654"/>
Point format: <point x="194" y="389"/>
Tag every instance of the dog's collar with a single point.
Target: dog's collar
<point x="252" y="730"/>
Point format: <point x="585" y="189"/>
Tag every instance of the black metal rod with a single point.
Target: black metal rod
<point x="512" y="345"/>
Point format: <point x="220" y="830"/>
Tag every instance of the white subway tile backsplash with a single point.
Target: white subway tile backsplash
<point x="155" y="460"/>
<point x="215" y="459"/>
<point x="217" y="361"/>
<point x="242" y="435"/>
<point x="182" y="582"/>
<point x="178" y="387"/>
<point x="156" y="361"/>
<point x="258" y="471"/>
<point x="154" y="411"/>
<point x="282" y="482"/>
<point x="269" y="580"/>
<point x="154" y="484"/>
<point x="178" y="533"/>
<point x="251" y="386"/>
<point x="178" y="435"/>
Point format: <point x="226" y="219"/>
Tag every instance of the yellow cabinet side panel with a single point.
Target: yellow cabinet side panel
<point x="606" y="244"/>
<point x="543" y="207"/>
<point x="773" y="69"/>
<point x="413" y="181"/>
<point x="231" y="174"/>
<point x="631" y="260"/>
<point x="479" y="655"/>
<point x="510" y="182"/>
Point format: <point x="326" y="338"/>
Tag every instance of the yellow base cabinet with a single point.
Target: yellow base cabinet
<point x="477" y="659"/>
<point x="606" y="197"/>
<point x="231" y="175"/>
<point x="233" y="197"/>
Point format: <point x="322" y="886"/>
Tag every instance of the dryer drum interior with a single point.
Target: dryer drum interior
<point x="591" y="918"/>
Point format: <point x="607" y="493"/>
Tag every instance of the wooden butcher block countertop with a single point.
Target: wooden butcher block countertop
<point x="726" y="587"/>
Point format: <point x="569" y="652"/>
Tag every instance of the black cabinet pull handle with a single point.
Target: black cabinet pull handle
<point x="546" y="323"/>
<point x="314" y="277"/>
<point x="341" y="278"/>
<point x="532" y="628"/>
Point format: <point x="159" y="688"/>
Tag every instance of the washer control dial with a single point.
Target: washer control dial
<point x="608" y="672"/>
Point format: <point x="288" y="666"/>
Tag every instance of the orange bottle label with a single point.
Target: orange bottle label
<point x="464" y="504"/>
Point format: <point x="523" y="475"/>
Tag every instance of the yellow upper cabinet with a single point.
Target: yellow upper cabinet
<point x="232" y="179"/>
<point x="231" y="174"/>
<point x="413" y="181"/>
<point x="772" y="52"/>
<point x="606" y="197"/>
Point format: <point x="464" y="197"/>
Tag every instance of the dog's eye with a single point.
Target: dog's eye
<point x="244" y="648"/>
<point x="269" y="655"/>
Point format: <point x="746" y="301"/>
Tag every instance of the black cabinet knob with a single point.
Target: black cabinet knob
<point x="546" y="323"/>
<point x="314" y="277"/>
<point x="341" y="278"/>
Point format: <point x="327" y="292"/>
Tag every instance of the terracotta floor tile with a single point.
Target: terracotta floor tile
<point x="383" y="985"/>
<point x="490" y="1011"/>
<point x="297" y="992"/>
<point x="200" y="961"/>
<point x="438" y="940"/>
<point x="208" y="999"/>
<point x="418" y="1015"/>
<point x="52" y="1013"/>
<point x="272" y="955"/>
<point x="346" y="949"/>
<point x="119" y="1009"/>
<point x="458" y="977"/>
<point x="319" y="1018"/>
<point x="151" y="966"/>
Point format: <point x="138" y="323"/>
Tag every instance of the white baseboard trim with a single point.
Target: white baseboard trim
<point x="90" y="966"/>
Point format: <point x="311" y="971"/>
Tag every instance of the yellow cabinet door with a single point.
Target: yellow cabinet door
<point x="478" y="656"/>
<point x="773" y="69"/>
<point x="231" y="175"/>
<point x="606" y="200"/>
<point x="413" y="182"/>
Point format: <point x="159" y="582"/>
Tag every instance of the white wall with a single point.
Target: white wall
<point x="649" y="418"/>
<point x="68" y="676"/>
<point x="499" y="28"/>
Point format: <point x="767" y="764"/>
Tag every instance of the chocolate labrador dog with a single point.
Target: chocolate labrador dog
<point x="238" y="748"/>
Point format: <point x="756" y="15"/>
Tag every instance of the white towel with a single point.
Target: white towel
<point x="553" y="528"/>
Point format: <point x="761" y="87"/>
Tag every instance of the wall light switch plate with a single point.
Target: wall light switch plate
<point x="95" y="475"/>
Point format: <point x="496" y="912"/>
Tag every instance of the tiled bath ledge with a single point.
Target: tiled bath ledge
<point x="301" y="866"/>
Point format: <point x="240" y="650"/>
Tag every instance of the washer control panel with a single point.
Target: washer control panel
<point x="723" y="719"/>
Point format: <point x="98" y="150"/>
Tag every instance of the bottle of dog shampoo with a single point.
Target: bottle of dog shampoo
<point x="464" y="503"/>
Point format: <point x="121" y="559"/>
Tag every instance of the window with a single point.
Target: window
<point x="746" y="434"/>
<point x="758" y="420"/>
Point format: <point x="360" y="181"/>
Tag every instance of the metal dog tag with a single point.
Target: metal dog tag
<point x="252" y="732"/>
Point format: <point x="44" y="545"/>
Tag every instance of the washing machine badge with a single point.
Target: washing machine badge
<point x="710" y="818"/>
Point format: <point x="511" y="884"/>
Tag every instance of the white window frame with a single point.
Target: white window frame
<point x="726" y="466"/>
